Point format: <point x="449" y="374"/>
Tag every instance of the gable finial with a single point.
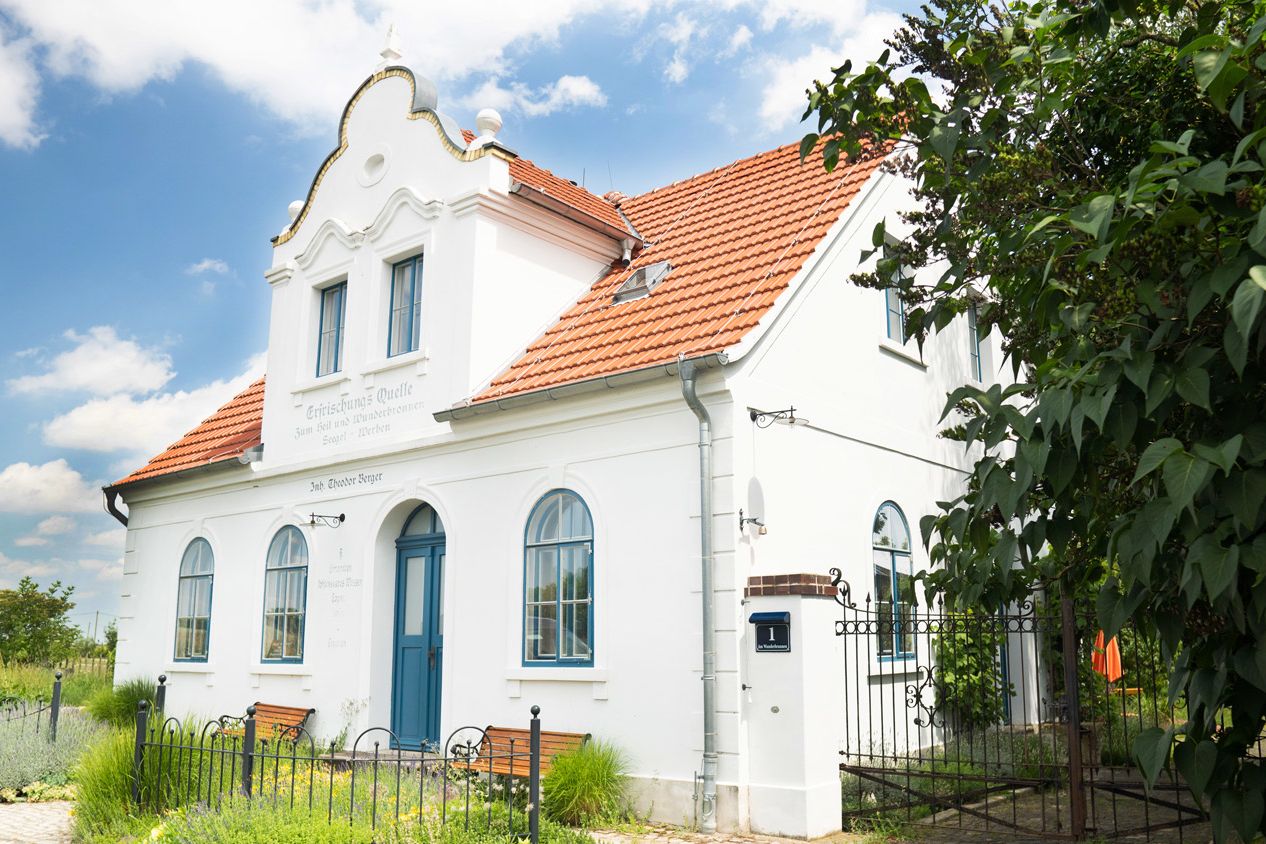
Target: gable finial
<point x="391" y="50"/>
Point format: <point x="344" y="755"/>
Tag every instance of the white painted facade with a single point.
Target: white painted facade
<point x="365" y="442"/>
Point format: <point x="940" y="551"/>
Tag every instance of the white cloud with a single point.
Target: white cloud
<point x="207" y="265"/>
<point x="52" y="526"/>
<point x="100" y="363"/>
<point x="11" y="571"/>
<point x="741" y="38"/>
<point x="782" y="96"/>
<point x="566" y="93"/>
<point x="103" y="569"/>
<point x="107" y="538"/>
<point x="19" y="93"/>
<point x="298" y="59"/>
<point x="143" y="426"/>
<point x="680" y="32"/>
<point x="52" y="487"/>
<point x="55" y="525"/>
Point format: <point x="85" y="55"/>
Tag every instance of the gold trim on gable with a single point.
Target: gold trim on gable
<point x="459" y="153"/>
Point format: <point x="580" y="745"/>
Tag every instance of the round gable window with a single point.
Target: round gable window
<point x="374" y="168"/>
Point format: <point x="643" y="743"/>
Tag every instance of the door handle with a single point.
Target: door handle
<point x="430" y="658"/>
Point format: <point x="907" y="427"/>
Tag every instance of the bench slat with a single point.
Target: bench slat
<point x="507" y="750"/>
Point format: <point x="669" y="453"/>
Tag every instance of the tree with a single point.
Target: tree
<point x="33" y="624"/>
<point x="1091" y="173"/>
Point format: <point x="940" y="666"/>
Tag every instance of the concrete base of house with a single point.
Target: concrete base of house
<point x="788" y="812"/>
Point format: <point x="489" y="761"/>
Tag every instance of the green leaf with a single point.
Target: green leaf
<point x="1223" y="456"/>
<point x="1204" y="758"/>
<point x="1244" y="493"/>
<point x="1154" y="455"/>
<point x="1151" y="749"/>
<point x="1208" y="64"/>
<point x="807" y="143"/>
<point x="1094" y="217"/>
<point x="1211" y="178"/>
<point x="1193" y="385"/>
<point x="1184" y="476"/>
<point x="1247" y="303"/>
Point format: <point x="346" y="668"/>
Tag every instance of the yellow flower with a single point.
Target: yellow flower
<point x="156" y="833"/>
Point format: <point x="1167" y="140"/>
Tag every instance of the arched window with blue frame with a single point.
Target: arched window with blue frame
<point x="285" y="596"/>
<point x="193" y="602"/>
<point x="894" y="581"/>
<point x="558" y="582"/>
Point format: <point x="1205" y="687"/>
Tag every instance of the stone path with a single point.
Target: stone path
<point x="676" y="835"/>
<point x="35" y="823"/>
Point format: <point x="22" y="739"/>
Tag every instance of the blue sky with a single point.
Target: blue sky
<point x="149" y="150"/>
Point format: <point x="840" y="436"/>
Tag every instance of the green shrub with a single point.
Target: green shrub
<point x="35" y="682"/>
<point x="28" y="757"/>
<point x="117" y="706"/>
<point x="78" y="689"/>
<point x="587" y="785"/>
<point x="969" y="682"/>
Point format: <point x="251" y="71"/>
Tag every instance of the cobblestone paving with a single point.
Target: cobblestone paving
<point x="35" y="823"/>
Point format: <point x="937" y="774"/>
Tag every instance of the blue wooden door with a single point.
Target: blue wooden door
<point x="419" y="642"/>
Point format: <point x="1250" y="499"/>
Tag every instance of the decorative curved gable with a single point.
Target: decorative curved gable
<point x="423" y="108"/>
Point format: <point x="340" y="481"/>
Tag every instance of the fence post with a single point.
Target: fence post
<point x="534" y="778"/>
<point x="1076" y="787"/>
<point x="138" y="749"/>
<point x="56" y="708"/>
<point x="160" y="695"/>
<point x="248" y="750"/>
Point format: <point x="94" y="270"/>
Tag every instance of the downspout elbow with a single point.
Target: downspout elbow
<point x="112" y="507"/>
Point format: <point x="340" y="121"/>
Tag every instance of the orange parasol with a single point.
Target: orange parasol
<point x="1106" y="660"/>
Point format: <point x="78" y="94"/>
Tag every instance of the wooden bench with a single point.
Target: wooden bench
<point x="271" y="722"/>
<point x="508" y="750"/>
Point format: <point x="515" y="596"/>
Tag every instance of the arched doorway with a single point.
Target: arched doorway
<point x="419" y="629"/>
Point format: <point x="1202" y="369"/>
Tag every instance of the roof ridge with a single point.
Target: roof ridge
<point x="723" y="167"/>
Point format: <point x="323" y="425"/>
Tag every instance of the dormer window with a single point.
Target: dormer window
<point x="642" y="282"/>
<point x="404" y="320"/>
<point x="330" y="331"/>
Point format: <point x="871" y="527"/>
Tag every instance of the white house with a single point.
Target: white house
<point x="521" y="396"/>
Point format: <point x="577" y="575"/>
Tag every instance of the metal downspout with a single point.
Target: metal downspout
<point x="708" y="819"/>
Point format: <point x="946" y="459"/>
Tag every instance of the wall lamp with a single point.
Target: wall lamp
<point x="744" y="521"/>
<point x="765" y="418"/>
<point x="317" y="520"/>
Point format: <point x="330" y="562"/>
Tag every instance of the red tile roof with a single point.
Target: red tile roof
<point x="224" y="435"/>
<point x="734" y="237"/>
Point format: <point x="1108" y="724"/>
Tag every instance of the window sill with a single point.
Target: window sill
<point x="558" y="674"/>
<point x="902" y="353"/>
<point x="421" y="357"/>
<point x="342" y="379"/>
<point x="283" y="669"/>
<point x="190" y="667"/>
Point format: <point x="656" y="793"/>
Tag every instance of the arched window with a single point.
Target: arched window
<point x="193" y="602"/>
<point x="285" y="596"/>
<point x="894" y="580"/>
<point x="558" y="582"/>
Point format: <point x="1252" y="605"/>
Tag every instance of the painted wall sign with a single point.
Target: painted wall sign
<point x="343" y="482"/>
<point x="349" y="419"/>
<point x="773" y="631"/>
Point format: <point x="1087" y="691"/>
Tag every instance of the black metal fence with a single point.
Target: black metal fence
<point x="35" y="715"/>
<point x="380" y="781"/>
<point x="1017" y="722"/>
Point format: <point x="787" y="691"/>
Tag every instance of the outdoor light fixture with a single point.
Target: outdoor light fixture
<point x="316" y="520"/>
<point x="765" y="418"/>
<point x="752" y="520"/>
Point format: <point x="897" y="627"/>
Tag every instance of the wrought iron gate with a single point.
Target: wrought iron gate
<point x="1016" y="722"/>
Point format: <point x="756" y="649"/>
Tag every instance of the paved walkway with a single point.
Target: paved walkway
<point x="675" y="835"/>
<point x="35" y="823"/>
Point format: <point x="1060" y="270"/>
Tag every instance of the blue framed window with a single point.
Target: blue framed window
<point x="330" y="332"/>
<point x="285" y="596"/>
<point x="558" y="582"/>
<point x="896" y="311"/>
<point x="894" y="581"/>
<point x="973" y="343"/>
<point x="193" y="602"/>
<point x="404" y="319"/>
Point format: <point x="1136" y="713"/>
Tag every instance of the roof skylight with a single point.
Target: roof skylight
<point x="642" y="282"/>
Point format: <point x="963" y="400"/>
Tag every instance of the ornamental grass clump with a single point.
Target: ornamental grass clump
<point x="118" y="705"/>
<point x="588" y="785"/>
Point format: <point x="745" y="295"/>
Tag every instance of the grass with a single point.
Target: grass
<point x="587" y="786"/>
<point x="32" y="767"/>
<point x="35" y="682"/>
<point x="118" y="705"/>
